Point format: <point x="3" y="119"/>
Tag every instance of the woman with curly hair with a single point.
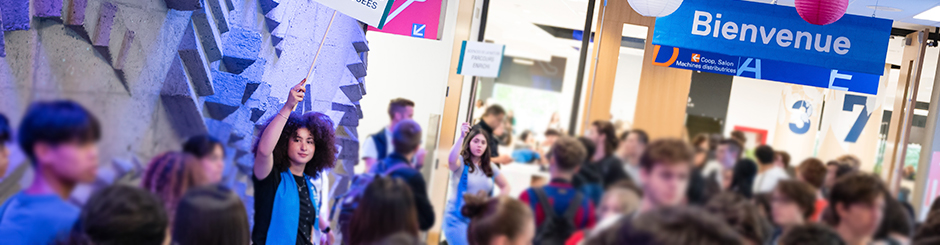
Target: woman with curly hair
<point x="292" y="152"/>
<point x="170" y="175"/>
<point x="472" y="173"/>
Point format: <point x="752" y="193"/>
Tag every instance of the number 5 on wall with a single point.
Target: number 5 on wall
<point x="849" y="105"/>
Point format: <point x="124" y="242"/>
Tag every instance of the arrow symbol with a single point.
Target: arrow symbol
<point x="418" y="30"/>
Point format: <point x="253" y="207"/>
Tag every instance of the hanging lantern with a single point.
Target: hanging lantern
<point x="655" y="8"/>
<point x="821" y="12"/>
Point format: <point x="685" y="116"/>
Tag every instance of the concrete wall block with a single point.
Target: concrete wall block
<point x="219" y="14"/>
<point x="220" y="130"/>
<point x="15" y="14"/>
<point x="352" y="92"/>
<point x="208" y="35"/>
<point x="125" y="48"/>
<point x="358" y="69"/>
<point x="256" y="114"/>
<point x="240" y="48"/>
<point x="350" y="116"/>
<point x="102" y="35"/>
<point x="183" y="115"/>
<point x="219" y="111"/>
<point x="249" y="91"/>
<point x="183" y="5"/>
<point x="275" y="40"/>
<point x="361" y="47"/>
<point x="255" y="71"/>
<point x="228" y="88"/>
<point x="176" y="81"/>
<point x="75" y="15"/>
<point x="240" y="121"/>
<point x="197" y="71"/>
<point x="261" y="94"/>
<point x="350" y="148"/>
<point x="267" y="5"/>
<point x="47" y="8"/>
<point x="3" y="51"/>
<point x="271" y="24"/>
<point x="244" y="161"/>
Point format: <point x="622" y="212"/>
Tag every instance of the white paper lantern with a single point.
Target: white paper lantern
<point x="655" y="8"/>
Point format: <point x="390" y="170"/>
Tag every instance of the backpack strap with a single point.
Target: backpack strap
<point x="395" y="168"/>
<point x="574" y="206"/>
<point x="543" y="201"/>
<point x="381" y="144"/>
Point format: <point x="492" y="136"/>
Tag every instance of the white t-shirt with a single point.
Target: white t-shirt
<point x="713" y="167"/>
<point x="477" y="181"/>
<point x="371" y="151"/>
<point x="766" y="182"/>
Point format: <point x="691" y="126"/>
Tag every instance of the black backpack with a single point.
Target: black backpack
<point x="555" y="229"/>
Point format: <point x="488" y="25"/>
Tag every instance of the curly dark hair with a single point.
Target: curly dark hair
<point x="466" y="154"/>
<point x="321" y="127"/>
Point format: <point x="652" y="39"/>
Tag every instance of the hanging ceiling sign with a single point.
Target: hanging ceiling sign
<point x="765" y="69"/>
<point x="415" y="18"/>
<point x="773" y="32"/>
<point x="371" y="12"/>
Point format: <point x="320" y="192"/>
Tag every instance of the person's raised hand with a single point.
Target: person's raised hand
<point x="464" y="128"/>
<point x="296" y="94"/>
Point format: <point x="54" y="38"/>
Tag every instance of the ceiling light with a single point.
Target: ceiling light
<point x="932" y="14"/>
<point x="884" y="8"/>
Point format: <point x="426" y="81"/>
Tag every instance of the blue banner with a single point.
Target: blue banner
<point x="774" y="32"/>
<point x="766" y="69"/>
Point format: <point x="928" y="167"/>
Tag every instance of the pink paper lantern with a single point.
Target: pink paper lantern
<point x="821" y="12"/>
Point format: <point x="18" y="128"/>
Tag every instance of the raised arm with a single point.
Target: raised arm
<point x="264" y="161"/>
<point x="452" y="161"/>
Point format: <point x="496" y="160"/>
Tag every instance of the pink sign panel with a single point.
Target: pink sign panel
<point x="415" y="18"/>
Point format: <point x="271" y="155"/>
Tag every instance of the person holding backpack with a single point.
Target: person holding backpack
<point x="471" y="173"/>
<point x="559" y="208"/>
<point x="406" y="139"/>
<point x="379" y="145"/>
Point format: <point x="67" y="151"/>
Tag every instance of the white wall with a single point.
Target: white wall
<point x="754" y="103"/>
<point x="626" y="84"/>
<point x="406" y="67"/>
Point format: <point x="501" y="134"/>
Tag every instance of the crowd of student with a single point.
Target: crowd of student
<point x="605" y="188"/>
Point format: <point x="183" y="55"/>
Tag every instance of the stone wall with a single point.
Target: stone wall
<point x="156" y="75"/>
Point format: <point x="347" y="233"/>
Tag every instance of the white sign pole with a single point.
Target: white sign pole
<point x="322" y="41"/>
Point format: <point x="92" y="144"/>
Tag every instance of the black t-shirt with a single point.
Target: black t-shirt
<point x="492" y="142"/>
<point x="265" y="192"/>
<point x="607" y="172"/>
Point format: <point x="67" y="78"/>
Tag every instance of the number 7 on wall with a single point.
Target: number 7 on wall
<point x="849" y="105"/>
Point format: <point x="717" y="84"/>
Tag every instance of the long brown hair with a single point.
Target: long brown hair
<point x="321" y="127"/>
<point x="610" y="136"/>
<point x="387" y="207"/>
<point x="484" y="158"/>
<point x="170" y="175"/>
<point x="491" y="217"/>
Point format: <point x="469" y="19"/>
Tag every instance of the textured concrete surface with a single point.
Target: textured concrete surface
<point x="102" y="36"/>
<point x="184" y="5"/>
<point x="75" y="14"/>
<point x="222" y="69"/>
<point x="15" y="14"/>
<point x="47" y="8"/>
<point x="240" y="48"/>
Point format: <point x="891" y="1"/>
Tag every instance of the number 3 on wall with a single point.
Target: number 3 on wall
<point x="849" y="105"/>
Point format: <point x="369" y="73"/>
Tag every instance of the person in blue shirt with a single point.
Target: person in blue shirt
<point x="61" y="140"/>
